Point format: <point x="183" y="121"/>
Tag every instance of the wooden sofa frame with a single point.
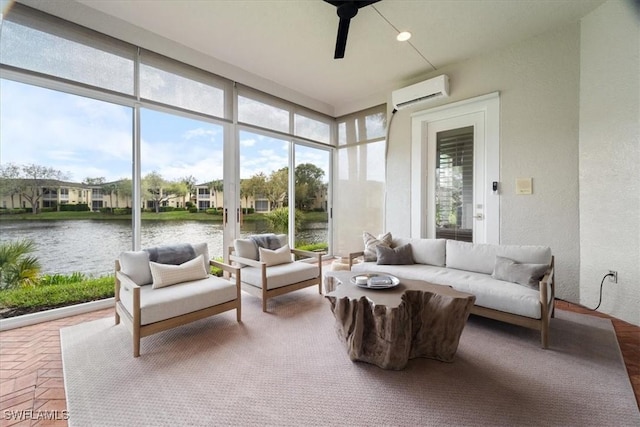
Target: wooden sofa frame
<point x="132" y="321"/>
<point x="547" y="305"/>
<point x="265" y="293"/>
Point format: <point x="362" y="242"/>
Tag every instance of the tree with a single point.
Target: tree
<point x="153" y="185"/>
<point x="125" y="189"/>
<point x="110" y="188"/>
<point x="190" y="183"/>
<point x="216" y="186"/>
<point x="179" y="189"/>
<point x="30" y="180"/>
<point x="277" y="188"/>
<point x="308" y="184"/>
<point x="10" y="182"/>
<point x="17" y="267"/>
<point x="255" y="186"/>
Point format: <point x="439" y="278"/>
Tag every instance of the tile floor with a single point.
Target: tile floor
<point x="32" y="384"/>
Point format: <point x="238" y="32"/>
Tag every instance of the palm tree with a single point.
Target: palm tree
<point x="17" y="268"/>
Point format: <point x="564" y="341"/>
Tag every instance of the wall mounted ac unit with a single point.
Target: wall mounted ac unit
<point x="437" y="87"/>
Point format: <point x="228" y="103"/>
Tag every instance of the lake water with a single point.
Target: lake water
<point x="91" y="246"/>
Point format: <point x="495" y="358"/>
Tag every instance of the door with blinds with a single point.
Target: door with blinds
<point x="455" y="173"/>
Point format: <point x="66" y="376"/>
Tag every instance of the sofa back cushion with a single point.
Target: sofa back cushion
<point x="526" y="254"/>
<point x="478" y="257"/>
<point x="425" y="251"/>
<point x="135" y="264"/>
<point x="481" y="257"/>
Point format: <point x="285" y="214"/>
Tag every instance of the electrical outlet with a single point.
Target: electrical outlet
<point x="614" y="276"/>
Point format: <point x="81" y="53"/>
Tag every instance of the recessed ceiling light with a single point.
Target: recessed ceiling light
<point x="403" y="36"/>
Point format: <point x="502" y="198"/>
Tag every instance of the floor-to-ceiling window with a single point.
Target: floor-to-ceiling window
<point x="284" y="170"/>
<point x="148" y="143"/>
<point x="65" y="180"/>
<point x="360" y="178"/>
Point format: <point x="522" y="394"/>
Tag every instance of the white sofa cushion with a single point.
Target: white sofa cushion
<point x="183" y="298"/>
<point x="425" y="251"/>
<point x="280" y="275"/>
<point x="167" y="274"/>
<point x="528" y="254"/>
<point x="476" y="257"/>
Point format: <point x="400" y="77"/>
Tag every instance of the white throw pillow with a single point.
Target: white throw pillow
<point x="167" y="274"/>
<point x="370" y="243"/>
<point x="275" y="257"/>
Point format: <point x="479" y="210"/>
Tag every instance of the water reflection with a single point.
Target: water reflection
<point x="92" y="246"/>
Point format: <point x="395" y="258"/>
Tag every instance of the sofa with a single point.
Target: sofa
<point x="163" y="287"/>
<point x="511" y="283"/>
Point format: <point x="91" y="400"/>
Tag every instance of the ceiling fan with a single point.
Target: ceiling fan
<point x="346" y="9"/>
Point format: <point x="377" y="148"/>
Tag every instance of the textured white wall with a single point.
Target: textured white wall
<point x="538" y="81"/>
<point x="610" y="158"/>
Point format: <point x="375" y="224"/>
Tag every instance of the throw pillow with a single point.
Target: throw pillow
<point x="275" y="257"/>
<point x="169" y="274"/>
<point x="135" y="264"/>
<point x="402" y="255"/>
<point x="371" y="242"/>
<point x="523" y="274"/>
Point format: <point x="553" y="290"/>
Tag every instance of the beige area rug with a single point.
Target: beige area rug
<point x="288" y="367"/>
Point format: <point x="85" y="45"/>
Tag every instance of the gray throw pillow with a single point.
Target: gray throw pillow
<point x="401" y="255"/>
<point x="523" y="274"/>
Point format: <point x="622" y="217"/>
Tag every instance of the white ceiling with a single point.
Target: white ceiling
<point x="291" y="42"/>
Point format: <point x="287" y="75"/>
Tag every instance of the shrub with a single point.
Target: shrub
<point x="80" y="207"/>
<point x="48" y="210"/>
<point x="122" y="211"/>
<point x="32" y="299"/>
<point x="279" y="219"/>
<point x="13" y="211"/>
<point x="193" y="209"/>
<point x="17" y="267"/>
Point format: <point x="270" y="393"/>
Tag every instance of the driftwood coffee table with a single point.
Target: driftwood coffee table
<point x="387" y="327"/>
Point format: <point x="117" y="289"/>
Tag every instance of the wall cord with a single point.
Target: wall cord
<point x="601" y="283"/>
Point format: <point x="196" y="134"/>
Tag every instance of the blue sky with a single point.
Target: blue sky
<point x="84" y="138"/>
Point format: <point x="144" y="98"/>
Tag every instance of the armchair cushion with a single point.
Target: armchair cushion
<point x="275" y="257"/>
<point x="171" y="301"/>
<point x="280" y="275"/>
<point x="167" y="274"/>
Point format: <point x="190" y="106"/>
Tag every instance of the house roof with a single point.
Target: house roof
<point x="287" y="47"/>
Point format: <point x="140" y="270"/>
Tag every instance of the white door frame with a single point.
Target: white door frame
<point x="421" y="210"/>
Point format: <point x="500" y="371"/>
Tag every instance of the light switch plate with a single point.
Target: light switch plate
<point x="524" y="186"/>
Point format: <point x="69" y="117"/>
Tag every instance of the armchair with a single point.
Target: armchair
<point x="268" y="273"/>
<point x="168" y="286"/>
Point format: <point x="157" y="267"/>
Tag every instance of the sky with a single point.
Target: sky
<point x="87" y="138"/>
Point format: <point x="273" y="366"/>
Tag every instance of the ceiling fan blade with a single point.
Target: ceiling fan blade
<point x="341" y="40"/>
